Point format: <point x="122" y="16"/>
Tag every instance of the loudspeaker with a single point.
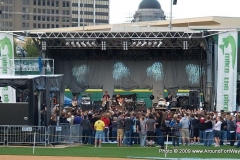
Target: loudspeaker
<point x="183" y="100"/>
<point x="14" y="114"/>
<point x="86" y="107"/>
<point x="193" y="97"/>
<point x="184" y="107"/>
<point x="192" y="107"/>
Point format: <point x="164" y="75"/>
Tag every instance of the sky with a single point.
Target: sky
<point x="121" y="9"/>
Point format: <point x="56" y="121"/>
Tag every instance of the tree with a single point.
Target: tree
<point x="15" y="45"/>
<point x="31" y="48"/>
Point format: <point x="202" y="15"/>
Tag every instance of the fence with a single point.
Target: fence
<point x="40" y="135"/>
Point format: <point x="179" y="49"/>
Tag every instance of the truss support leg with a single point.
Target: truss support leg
<point x="209" y="84"/>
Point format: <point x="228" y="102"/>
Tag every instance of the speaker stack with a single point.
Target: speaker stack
<point x="86" y="104"/>
<point x="193" y="100"/>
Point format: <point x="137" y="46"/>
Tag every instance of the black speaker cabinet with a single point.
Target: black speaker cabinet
<point x="14" y="114"/>
<point x="86" y="107"/>
<point x="192" y="107"/>
<point x="193" y="97"/>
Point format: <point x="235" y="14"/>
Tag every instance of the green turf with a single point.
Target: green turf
<point x="111" y="150"/>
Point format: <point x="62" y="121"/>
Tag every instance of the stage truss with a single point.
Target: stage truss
<point x="114" y="40"/>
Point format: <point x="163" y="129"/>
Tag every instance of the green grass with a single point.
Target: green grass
<point x="111" y="150"/>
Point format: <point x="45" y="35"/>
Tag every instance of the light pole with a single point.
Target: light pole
<point x="170" y="23"/>
<point x="173" y="2"/>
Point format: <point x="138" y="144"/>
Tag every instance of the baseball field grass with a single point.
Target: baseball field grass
<point x="112" y="151"/>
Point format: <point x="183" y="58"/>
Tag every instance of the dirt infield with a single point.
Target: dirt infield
<point x="10" y="157"/>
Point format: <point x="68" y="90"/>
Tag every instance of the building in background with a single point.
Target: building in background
<point x="90" y="12"/>
<point x="33" y="14"/>
<point x="149" y="10"/>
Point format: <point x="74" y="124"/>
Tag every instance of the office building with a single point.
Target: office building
<point x="90" y="12"/>
<point x="34" y="14"/>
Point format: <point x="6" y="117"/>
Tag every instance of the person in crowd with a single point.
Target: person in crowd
<point x="184" y="123"/>
<point x="232" y="131"/>
<point x="202" y="128"/>
<point x="128" y="126"/>
<point x="86" y="127"/>
<point x="223" y="137"/>
<point x="150" y="127"/>
<point x="142" y="131"/>
<point x="120" y="128"/>
<point x="114" y="129"/>
<point x="77" y="119"/>
<point x="53" y="121"/>
<point x="99" y="127"/>
<point x="195" y="127"/>
<point x="238" y="131"/>
<point x="160" y="126"/>
<point x="176" y="133"/>
<point x="106" y="121"/>
<point x="217" y="131"/>
<point x="208" y="132"/>
<point x="93" y="131"/>
<point x="135" y="133"/>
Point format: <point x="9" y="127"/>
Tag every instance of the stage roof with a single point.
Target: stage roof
<point x="186" y="24"/>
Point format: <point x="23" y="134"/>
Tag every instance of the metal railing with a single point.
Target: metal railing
<point x="40" y="135"/>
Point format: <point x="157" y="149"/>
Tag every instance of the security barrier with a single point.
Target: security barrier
<point x="40" y="135"/>
<point x="23" y="135"/>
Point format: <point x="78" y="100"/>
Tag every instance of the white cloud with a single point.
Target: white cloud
<point x="119" y="9"/>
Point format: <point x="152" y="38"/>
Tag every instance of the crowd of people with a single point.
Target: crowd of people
<point x="150" y="127"/>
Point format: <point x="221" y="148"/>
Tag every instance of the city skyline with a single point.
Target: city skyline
<point x="119" y="10"/>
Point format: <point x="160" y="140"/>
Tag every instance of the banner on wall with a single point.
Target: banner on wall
<point x="8" y="94"/>
<point x="227" y="71"/>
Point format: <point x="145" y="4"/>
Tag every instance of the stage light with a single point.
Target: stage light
<point x="83" y="44"/>
<point x="160" y="43"/>
<point x="88" y="44"/>
<point x="44" y="45"/>
<point x="93" y="43"/>
<point x="144" y="44"/>
<point x="185" y="45"/>
<point x="73" y="44"/>
<point x="67" y="43"/>
<point x="103" y="45"/>
<point x="150" y="44"/>
<point x="139" y="44"/>
<point x="125" y="45"/>
<point x="78" y="44"/>
<point x="133" y="43"/>
<point x="155" y="44"/>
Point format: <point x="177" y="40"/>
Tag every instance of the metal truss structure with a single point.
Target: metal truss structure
<point x="107" y="35"/>
<point x="114" y="40"/>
